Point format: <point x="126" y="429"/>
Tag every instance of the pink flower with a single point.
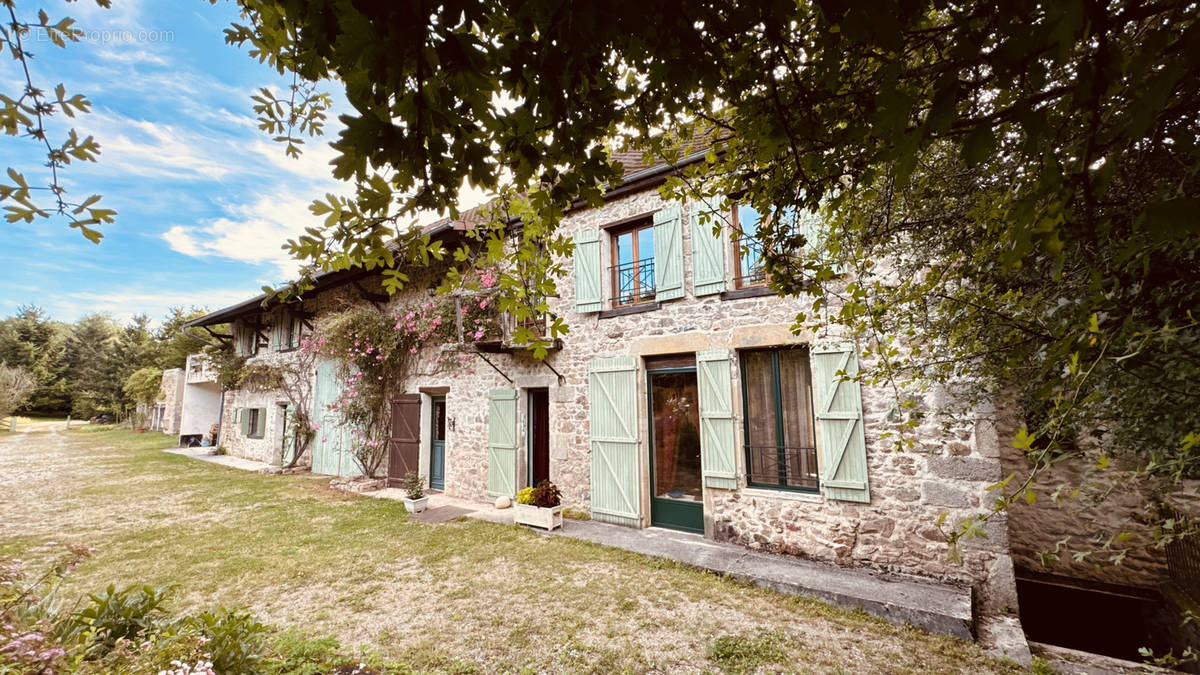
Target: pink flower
<point x="413" y="350"/>
<point x="316" y="427"/>
<point x="487" y="279"/>
<point x="323" y="439"/>
<point x="482" y="304"/>
<point x="398" y="326"/>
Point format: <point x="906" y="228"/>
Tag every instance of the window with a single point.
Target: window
<point x="633" y="263"/>
<point x="747" y="249"/>
<point x="290" y="331"/>
<point x="781" y="447"/>
<point x="248" y="339"/>
<point x="253" y="422"/>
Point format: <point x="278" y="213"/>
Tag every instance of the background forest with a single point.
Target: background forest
<point x="95" y="365"/>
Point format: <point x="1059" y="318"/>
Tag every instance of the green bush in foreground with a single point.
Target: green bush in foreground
<point x="131" y="631"/>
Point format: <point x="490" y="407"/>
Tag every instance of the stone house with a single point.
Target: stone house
<point x="681" y="398"/>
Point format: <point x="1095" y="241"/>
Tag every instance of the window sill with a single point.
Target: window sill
<point x="751" y="292"/>
<point x="789" y="495"/>
<point x="629" y="309"/>
<point x="257" y="438"/>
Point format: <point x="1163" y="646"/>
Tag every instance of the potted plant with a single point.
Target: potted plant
<point x="539" y="506"/>
<point x="415" y="498"/>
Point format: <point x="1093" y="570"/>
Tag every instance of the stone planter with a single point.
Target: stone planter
<point x="547" y="519"/>
<point x="415" y="505"/>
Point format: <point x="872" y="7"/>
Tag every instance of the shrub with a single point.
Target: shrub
<point x="414" y="485"/>
<point x="128" y="614"/>
<point x="546" y="495"/>
<point x="126" y="631"/>
<point x="525" y="496"/>
<point x="234" y="639"/>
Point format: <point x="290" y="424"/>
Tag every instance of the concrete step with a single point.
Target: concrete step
<point x="939" y="608"/>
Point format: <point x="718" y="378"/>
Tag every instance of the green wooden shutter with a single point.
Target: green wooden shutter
<point x="260" y="427"/>
<point x="708" y="249"/>
<point x="612" y="414"/>
<point x="327" y="445"/>
<point x="239" y="339"/>
<point x="668" y="254"/>
<point x="840" y="441"/>
<point x="276" y="342"/>
<point x="588" y="275"/>
<point x="717" y="454"/>
<point x="288" y="447"/>
<point x="502" y="442"/>
<point x="815" y="231"/>
<point x="243" y="416"/>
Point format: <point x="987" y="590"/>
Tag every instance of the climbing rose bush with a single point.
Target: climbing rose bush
<point x="377" y="350"/>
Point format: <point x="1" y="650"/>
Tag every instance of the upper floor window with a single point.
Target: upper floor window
<point x="747" y="248"/>
<point x="632" y="270"/>
<point x="247" y="338"/>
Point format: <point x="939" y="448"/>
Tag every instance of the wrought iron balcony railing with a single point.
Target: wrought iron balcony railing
<point x="783" y="466"/>
<point x="750" y="270"/>
<point x="633" y="282"/>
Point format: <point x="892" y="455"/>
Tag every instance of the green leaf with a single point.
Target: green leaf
<point x="978" y="145"/>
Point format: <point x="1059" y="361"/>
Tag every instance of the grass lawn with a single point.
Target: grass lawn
<point x="464" y="596"/>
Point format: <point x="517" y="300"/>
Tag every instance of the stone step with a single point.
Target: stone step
<point x="939" y="608"/>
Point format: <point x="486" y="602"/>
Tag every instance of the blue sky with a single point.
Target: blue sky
<point x="205" y="199"/>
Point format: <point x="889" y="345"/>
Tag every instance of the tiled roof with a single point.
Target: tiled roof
<point x="632" y="162"/>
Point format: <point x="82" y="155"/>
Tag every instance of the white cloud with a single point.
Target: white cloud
<point x="144" y="148"/>
<point x="313" y="163"/>
<point x="253" y="233"/>
<point x="155" y="304"/>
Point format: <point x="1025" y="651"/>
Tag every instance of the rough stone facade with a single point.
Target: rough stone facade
<point x="896" y="531"/>
<point x="1093" y="507"/>
<point x="170" y="395"/>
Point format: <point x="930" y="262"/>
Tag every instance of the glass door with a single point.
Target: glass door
<point x="676" y="481"/>
<point x="437" y="445"/>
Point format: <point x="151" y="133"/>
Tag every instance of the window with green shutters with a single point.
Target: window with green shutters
<point x="837" y="402"/>
<point x="780" y="444"/>
<point x="668" y="254"/>
<point x="253" y="422"/>
<point x="708" y="248"/>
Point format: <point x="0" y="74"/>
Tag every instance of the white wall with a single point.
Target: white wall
<point x="201" y="408"/>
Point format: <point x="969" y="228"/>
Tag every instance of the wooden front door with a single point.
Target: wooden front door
<point x="539" y="435"/>
<point x="404" y="444"/>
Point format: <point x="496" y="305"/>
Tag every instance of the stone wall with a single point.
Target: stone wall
<point x="1093" y="507"/>
<point x="170" y="394"/>
<point x="947" y="472"/>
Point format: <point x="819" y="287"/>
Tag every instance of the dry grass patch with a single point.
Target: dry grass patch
<point x="464" y="596"/>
